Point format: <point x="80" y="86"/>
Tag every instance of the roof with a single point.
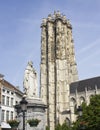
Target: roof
<point x="10" y="86"/>
<point x="90" y="84"/>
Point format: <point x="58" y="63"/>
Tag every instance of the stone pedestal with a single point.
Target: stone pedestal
<point x="35" y="109"/>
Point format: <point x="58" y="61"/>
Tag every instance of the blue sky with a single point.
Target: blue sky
<point x="20" y="35"/>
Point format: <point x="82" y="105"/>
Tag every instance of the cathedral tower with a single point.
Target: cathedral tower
<point x="58" y="66"/>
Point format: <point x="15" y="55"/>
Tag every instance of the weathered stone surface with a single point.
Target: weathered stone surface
<point x="35" y="109"/>
<point x="30" y="81"/>
<point x="58" y="61"/>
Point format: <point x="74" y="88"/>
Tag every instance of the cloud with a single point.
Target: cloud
<point x="89" y="46"/>
<point x="84" y="59"/>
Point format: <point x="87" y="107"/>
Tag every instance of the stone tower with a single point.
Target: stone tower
<point x="58" y="66"/>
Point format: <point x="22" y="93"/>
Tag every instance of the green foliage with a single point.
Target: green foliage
<point x="33" y="122"/>
<point x="13" y="123"/>
<point x="90" y="119"/>
<point x="58" y="127"/>
<point x="64" y="126"/>
<point x="47" y="128"/>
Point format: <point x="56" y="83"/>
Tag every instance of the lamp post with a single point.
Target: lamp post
<point x="23" y="104"/>
<point x="80" y="111"/>
<point x="18" y="109"/>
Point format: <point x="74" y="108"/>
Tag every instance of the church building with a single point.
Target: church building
<point x="60" y="88"/>
<point x="58" y="66"/>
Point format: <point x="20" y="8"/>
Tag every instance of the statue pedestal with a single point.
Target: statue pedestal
<point x="35" y="109"/>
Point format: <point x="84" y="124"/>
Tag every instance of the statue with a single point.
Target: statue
<point x="30" y="81"/>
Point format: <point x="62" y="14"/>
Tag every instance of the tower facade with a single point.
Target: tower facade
<point x="58" y="66"/>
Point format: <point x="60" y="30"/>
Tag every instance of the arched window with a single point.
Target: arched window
<point x="82" y="99"/>
<point x="73" y="101"/>
<point x="73" y="105"/>
<point x="68" y="121"/>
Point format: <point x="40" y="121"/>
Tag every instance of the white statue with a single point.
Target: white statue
<point x="30" y="81"/>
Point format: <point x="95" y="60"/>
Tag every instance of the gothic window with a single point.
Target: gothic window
<point x="68" y="121"/>
<point x="73" y="101"/>
<point x="73" y="105"/>
<point x="82" y="99"/>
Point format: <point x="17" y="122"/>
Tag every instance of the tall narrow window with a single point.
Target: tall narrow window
<point x="7" y="115"/>
<point x="12" y="102"/>
<point x="3" y="115"/>
<point x="3" y="99"/>
<point x="7" y="101"/>
<point x="12" y="115"/>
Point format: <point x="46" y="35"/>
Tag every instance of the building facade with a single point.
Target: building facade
<point x="81" y="91"/>
<point x="9" y="96"/>
<point x="58" y="66"/>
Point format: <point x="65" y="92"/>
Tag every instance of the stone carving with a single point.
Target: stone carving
<point x="30" y="81"/>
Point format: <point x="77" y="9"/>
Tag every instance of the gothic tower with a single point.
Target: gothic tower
<point x="58" y="66"/>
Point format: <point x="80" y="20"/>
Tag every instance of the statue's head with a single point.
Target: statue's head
<point x="30" y="63"/>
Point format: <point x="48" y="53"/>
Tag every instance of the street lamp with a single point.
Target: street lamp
<point x="23" y="105"/>
<point x="18" y="109"/>
<point x="80" y="111"/>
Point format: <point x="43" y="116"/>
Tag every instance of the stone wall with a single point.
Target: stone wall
<point x="58" y="66"/>
<point x="35" y="110"/>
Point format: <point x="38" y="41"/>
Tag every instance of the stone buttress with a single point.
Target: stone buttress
<point x="58" y="66"/>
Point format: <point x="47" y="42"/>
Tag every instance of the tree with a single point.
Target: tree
<point x="90" y="119"/>
<point x="47" y="128"/>
<point x="64" y="126"/>
<point x="58" y="127"/>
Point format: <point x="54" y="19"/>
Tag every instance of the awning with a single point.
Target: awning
<point x="5" y="125"/>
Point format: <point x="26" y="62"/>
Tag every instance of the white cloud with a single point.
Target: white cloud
<point x="89" y="46"/>
<point x="90" y="55"/>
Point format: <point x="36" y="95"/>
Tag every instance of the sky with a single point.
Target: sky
<point x="20" y="35"/>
